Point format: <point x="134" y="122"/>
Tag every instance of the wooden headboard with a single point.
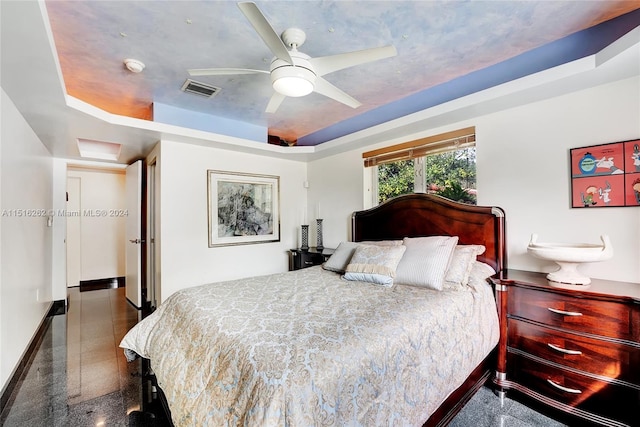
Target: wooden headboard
<point x="419" y="215"/>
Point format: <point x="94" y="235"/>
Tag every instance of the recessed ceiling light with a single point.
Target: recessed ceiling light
<point x="91" y="149"/>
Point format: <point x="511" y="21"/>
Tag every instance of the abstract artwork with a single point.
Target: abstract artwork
<point x="243" y="208"/>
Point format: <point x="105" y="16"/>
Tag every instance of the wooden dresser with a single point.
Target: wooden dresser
<point x="577" y="351"/>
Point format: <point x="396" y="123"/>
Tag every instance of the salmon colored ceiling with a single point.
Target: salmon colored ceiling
<point x="437" y="42"/>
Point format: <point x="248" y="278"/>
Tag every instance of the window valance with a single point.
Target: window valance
<point x="448" y="141"/>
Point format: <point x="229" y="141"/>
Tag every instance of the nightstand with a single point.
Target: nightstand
<point x="576" y="351"/>
<point x="302" y="259"/>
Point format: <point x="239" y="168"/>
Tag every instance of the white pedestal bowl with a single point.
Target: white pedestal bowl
<point x="569" y="256"/>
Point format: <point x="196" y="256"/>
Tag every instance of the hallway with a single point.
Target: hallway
<point x="79" y="376"/>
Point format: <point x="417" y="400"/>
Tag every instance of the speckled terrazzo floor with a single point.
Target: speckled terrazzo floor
<point x="484" y="410"/>
<point x="79" y="376"/>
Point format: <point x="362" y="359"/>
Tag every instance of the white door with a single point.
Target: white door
<point x="73" y="232"/>
<point x="133" y="284"/>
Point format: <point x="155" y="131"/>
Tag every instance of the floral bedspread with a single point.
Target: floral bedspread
<point x="307" y="348"/>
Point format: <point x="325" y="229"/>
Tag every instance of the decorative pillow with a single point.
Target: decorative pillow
<point x="374" y="264"/>
<point x="340" y="258"/>
<point x="426" y="260"/>
<point x="382" y="242"/>
<point x="464" y="256"/>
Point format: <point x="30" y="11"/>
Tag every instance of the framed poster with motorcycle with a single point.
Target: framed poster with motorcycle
<point x="606" y="175"/>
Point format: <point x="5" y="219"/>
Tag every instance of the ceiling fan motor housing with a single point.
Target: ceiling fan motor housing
<point x="293" y="80"/>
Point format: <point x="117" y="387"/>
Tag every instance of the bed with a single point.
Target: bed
<point x="310" y="347"/>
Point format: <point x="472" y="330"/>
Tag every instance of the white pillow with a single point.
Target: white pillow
<point x="340" y="258"/>
<point x="464" y="256"/>
<point x="480" y="272"/>
<point x="426" y="261"/>
<point x="374" y="264"/>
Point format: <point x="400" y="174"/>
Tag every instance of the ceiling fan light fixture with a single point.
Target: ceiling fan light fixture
<point x="293" y="81"/>
<point x="293" y="86"/>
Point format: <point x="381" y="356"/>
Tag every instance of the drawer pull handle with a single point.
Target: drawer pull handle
<point x="563" y="350"/>
<point x="566" y="389"/>
<point x="308" y="262"/>
<point x="565" y="313"/>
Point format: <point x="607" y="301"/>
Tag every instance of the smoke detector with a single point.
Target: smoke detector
<point x="134" y="65"/>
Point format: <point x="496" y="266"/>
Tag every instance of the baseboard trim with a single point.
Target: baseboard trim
<point x="109" y="283"/>
<point x="58" y="307"/>
<point x="27" y="358"/>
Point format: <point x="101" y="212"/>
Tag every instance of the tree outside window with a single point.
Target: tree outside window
<point x="451" y="174"/>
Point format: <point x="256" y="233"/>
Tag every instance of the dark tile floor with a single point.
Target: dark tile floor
<point x="79" y="376"/>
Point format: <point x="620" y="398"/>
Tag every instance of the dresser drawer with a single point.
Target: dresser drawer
<point x="307" y="259"/>
<point x="607" y="318"/>
<point x="608" y="359"/>
<point x="614" y="401"/>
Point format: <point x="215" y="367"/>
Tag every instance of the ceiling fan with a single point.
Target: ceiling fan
<point x="292" y="72"/>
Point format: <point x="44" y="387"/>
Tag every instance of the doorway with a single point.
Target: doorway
<point x="95" y="216"/>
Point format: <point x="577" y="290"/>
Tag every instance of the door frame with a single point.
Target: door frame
<point x="141" y="246"/>
<point x="73" y="215"/>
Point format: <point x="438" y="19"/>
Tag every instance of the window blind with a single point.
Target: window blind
<point x="448" y="141"/>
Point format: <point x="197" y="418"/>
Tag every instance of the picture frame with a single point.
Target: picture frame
<point x="606" y="175"/>
<point x="242" y="208"/>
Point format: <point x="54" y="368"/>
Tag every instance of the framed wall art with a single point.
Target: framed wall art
<point x="606" y="175"/>
<point x="243" y="208"/>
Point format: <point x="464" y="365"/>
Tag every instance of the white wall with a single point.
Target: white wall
<point x="530" y="158"/>
<point x="523" y="167"/>
<point x="59" y="231"/>
<point x="186" y="259"/>
<point x="336" y="184"/>
<point x="25" y="277"/>
<point x="102" y="233"/>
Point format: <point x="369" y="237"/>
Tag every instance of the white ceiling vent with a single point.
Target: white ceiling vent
<point x="199" y="88"/>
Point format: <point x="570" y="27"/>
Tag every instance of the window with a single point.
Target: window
<point x="443" y="164"/>
<point x="395" y="179"/>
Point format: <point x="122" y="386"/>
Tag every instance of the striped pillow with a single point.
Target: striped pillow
<point x="425" y="261"/>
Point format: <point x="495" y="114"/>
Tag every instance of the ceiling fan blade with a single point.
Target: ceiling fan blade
<point x="274" y="102"/>
<point x="325" y="88"/>
<point x="328" y="64"/>
<point x="265" y="30"/>
<point x="223" y="71"/>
